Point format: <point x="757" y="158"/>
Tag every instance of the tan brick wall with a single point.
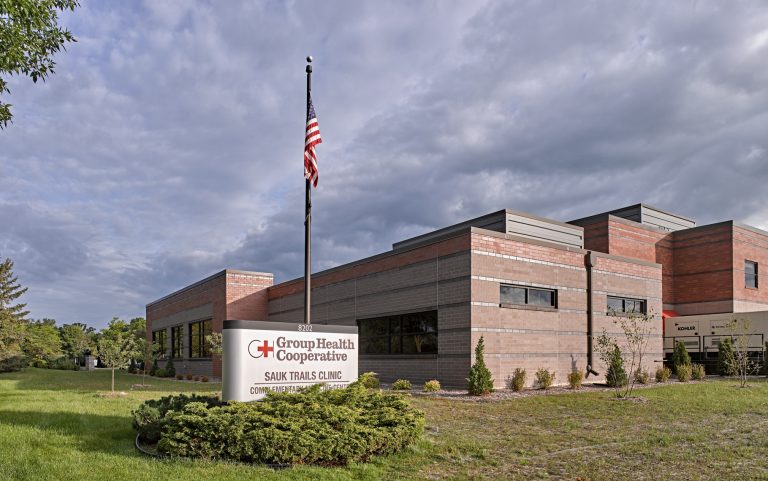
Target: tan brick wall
<point x="553" y="339"/>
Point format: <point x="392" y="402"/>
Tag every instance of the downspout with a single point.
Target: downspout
<point x="589" y="263"/>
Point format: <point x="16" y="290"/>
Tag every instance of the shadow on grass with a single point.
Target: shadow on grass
<point x="88" y="432"/>
<point x="99" y="381"/>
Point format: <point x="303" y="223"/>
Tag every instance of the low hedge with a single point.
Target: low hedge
<point x="313" y="426"/>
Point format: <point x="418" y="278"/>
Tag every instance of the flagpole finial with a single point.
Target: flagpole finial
<point x="309" y="58"/>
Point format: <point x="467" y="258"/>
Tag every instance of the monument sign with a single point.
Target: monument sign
<point x="264" y="356"/>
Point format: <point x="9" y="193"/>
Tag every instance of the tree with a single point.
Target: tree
<point x="75" y="340"/>
<point x="29" y="36"/>
<point x="479" y="381"/>
<point x="149" y="352"/>
<point x="42" y="343"/>
<point x="116" y="349"/>
<point x="636" y="328"/>
<point x="741" y="331"/>
<point x="680" y="356"/>
<point x="13" y="322"/>
<point x="726" y="363"/>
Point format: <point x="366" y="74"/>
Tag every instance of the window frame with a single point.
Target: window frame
<point x="527" y="304"/>
<point x="177" y="342"/>
<point x="624" y="300"/>
<point x="395" y="334"/>
<point x="755" y="275"/>
<point x="163" y="343"/>
<point x="199" y="348"/>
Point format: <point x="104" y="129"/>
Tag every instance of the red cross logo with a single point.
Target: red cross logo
<point x="265" y="349"/>
<point x="261" y="351"/>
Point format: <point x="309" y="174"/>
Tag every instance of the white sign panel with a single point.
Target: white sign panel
<point x="276" y="356"/>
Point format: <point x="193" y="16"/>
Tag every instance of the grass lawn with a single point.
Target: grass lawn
<point x="53" y="426"/>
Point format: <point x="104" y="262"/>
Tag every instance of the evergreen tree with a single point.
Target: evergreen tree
<point x="170" y="369"/>
<point x="680" y="356"/>
<point x="616" y="376"/>
<point x="726" y="361"/>
<point x="13" y="322"/>
<point x="479" y="381"/>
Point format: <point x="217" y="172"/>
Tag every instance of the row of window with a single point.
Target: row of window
<point x="537" y="296"/>
<point x="199" y="333"/>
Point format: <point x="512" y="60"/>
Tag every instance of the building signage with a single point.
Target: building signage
<point x="276" y="356"/>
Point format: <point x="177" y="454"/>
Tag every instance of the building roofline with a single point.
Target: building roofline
<point x="207" y="279"/>
<point x="633" y="206"/>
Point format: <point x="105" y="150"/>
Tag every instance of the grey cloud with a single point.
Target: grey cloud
<point x="167" y="146"/>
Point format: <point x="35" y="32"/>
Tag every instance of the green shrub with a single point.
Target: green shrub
<point x="63" y="364"/>
<point x="149" y="420"/>
<point x="329" y="428"/>
<point x="544" y="378"/>
<point x="684" y="372"/>
<point x="153" y="370"/>
<point x="161" y="372"/>
<point x="516" y="382"/>
<point x="170" y="369"/>
<point x="726" y="360"/>
<point x="575" y="378"/>
<point x="663" y="374"/>
<point x="369" y="380"/>
<point x="697" y="372"/>
<point x="642" y="376"/>
<point x="12" y="361"/>
<point x="133" y="368"/>
<point x="680" y="356"/>
<point x="479" y="382"/>
<point x="616" y="376"/>
<point x="179" y="377"/>
<point x="402" y="385"/>
<point x="204" y="378"/>
<point x="432" y="386"/>
<point x="189" y="377"/>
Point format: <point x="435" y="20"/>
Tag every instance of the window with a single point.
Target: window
<point x="532" y="296"/>
<point x="414" y="333"/>
<point x="199" y="333"/>
<point x="750" y="274"/>
<point x="159" y="337"/>
<point x="623" y="304"/>
<point x="177" y="334"/>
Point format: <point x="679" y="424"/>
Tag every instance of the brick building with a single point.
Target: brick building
<point x="534" y="288"/>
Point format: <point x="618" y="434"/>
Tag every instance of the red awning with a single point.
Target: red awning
<point x="670" y="313"/>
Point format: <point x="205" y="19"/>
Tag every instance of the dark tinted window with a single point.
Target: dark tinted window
<point x="199" y="334"/>
<point x="160" y="338"/>
<point x="624" y="304"/>
<point x="513" y="295"/>
<point x="528" y="295"/>
<point x="177" y="334"/>
<point x="750" y="274"/>
<point x="413" y="333"/>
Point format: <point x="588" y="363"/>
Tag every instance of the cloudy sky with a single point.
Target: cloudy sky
<point x="168" y="145"/>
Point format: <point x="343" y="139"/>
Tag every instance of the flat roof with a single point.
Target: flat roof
<point x="210" y="278"/>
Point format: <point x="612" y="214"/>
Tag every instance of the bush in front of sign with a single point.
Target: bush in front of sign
<point x="369" y="380"/>
<point x="149" y="418"/>
<point x="329" y="428"/>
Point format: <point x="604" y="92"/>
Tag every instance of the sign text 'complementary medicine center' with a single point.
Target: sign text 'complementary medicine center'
<point x="273" y="356"/>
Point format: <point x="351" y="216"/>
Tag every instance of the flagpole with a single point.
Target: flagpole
<point x="308" y="219"/>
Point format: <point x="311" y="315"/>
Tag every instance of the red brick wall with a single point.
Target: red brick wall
<point x="621" y="237"/>
<point x="703" y="264"/>
<point x="233" y="295"/>
<point x="753" y="246"/>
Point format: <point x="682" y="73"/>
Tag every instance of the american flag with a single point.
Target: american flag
<point x="311" y="139"/>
